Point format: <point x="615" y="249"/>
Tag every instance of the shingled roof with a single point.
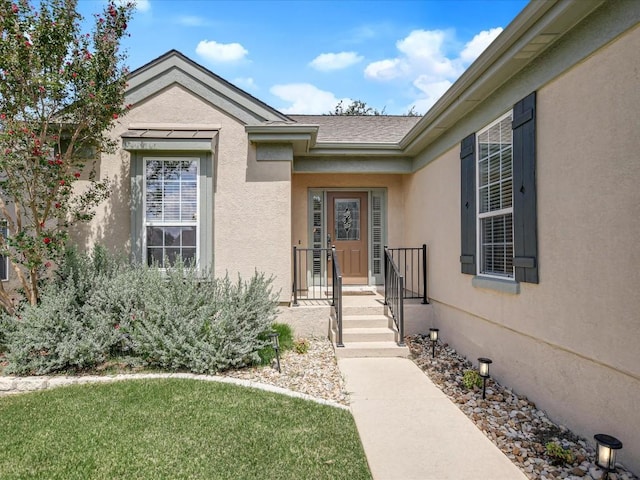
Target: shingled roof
<point x="359" y="128"/>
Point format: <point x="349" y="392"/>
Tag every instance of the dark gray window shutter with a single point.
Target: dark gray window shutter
<point x="525" y="236"/>
<point x="468" y="204"/>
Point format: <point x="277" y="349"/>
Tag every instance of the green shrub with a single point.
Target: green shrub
<point x="85" y="271"/>
<point x="285" y="337"/>
<point x="204" y="325"/>
<point x="120" y="300"/>
<point x="471" y="378"/>
<point x="558" y="453"/>
<point x="62" y="332"/>
<point x="99" y="307"/>
<point x="7" y="325"/>
<point x="56" y="336"/>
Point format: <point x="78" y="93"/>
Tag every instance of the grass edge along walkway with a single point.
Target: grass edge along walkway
<point x="10" y="385"/>
<point x="175" y="428"/>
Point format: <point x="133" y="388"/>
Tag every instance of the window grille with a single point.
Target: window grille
<point x="171" y="210"/>
<point x="495" y="198"/>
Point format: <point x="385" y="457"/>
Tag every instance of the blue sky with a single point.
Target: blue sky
<point x="305" y="56"/>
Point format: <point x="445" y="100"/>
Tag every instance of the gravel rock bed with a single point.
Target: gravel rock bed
<point x="510" y="420"/>
<point x="314" y="373"/>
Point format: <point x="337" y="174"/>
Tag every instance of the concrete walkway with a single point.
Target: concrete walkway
<point x="411" y="431"/>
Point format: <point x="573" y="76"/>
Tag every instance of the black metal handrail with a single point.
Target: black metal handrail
<point x="394" y="293"/>
<point x="310" y="274"/>
<point x="310" y="271"/>
<point x="411" y="262"/>
<point x="337" y="293"/>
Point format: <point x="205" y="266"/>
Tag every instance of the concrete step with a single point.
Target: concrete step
<point x="366" y="330"/>
<point x="368" y="334"/>
<point x="359" y="290"/>
<point x="365" y="321"/>
<point x="371" y="349"/>
<point x="370" y="309"/>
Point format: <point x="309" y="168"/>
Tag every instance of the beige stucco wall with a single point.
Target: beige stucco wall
<point x="301" y="183"/>
<point x="252" y="226"/>
<point x="570" y="343"/>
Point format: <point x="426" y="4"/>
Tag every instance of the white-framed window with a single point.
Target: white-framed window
<point x="494" y="201"/>
<point x="171" y="210"/>
<point x="4" y="260"/>
<point x="498" y="212"/>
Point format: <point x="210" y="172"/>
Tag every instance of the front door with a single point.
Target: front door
<point x="347" y="214"/>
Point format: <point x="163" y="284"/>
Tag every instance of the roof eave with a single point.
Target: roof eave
<point x="302" y="137"/>
<point x="179" y="69"/>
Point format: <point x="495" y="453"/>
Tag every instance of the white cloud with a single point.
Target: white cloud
<point x="422" y="43"/>
<point x="421" y="53"/>
<point x="193" y="21"/>
<point x="143" y="5"/>
<point x="478" y="44"/>
<point x="430" y="92"/>
<point x="426" y="65"/>
<point x="221" y="52"/>
<point x="306" y="98"/>
<point x="385" y="69"/>
<point x="247" y="83"/>
<point x="335" y="61"/>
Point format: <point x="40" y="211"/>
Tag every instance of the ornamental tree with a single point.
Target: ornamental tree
<point x="360" y="108"/>
<point x="357" y="107"/>
<point x="60" y="91"/>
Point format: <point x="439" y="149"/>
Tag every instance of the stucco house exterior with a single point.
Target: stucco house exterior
<point x="522" y="180"/>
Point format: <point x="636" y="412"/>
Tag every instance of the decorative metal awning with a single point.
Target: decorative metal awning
<point x="179" y="137"/>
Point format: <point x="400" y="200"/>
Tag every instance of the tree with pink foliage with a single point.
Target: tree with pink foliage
<point x="60" y="91"/>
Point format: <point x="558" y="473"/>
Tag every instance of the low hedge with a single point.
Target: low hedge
<point x="99" y="308"/>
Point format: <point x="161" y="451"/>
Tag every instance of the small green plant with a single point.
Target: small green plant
<point x="471" y="378"/>
<point x="558" y="453"/>
<point x="301" y="345"/>
<point x="285" y="337"/>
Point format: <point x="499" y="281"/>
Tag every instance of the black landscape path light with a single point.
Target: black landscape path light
<point x="484" y="373"/>
<point x="433" y="335"/>
<point x="275" y="343"/>
<point x="606" y="448"/>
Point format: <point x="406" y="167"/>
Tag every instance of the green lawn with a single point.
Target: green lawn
<point x="175" y="429"/>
